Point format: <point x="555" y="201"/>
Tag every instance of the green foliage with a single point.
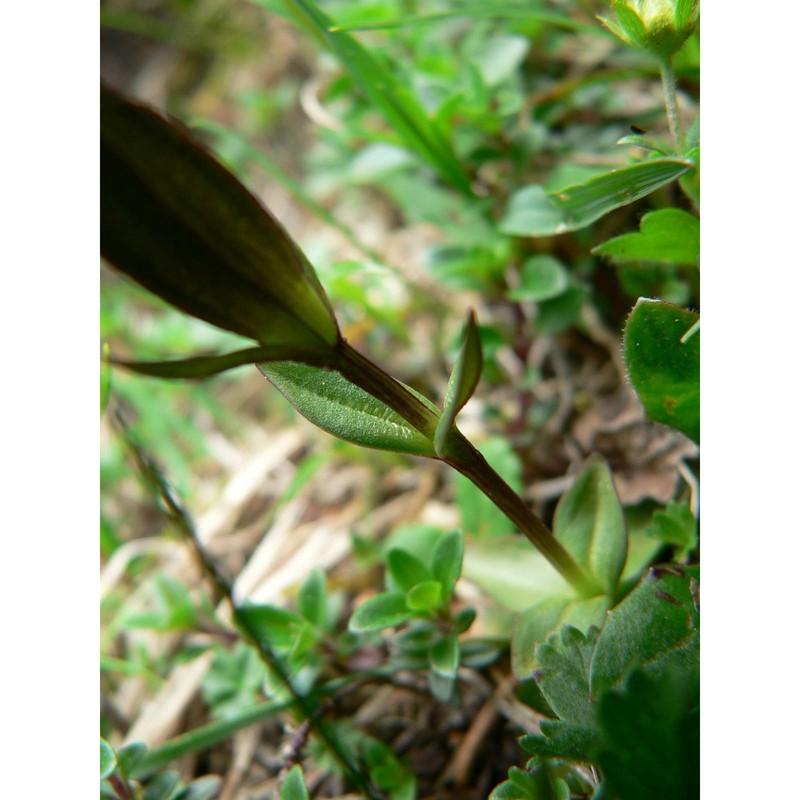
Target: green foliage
<point x="469" y="128"/>
<point x="663" y="360"/>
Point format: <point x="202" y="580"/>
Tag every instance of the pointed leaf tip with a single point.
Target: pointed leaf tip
<point x="463" y="381"/>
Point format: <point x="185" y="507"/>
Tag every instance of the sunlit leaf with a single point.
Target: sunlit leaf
<point x="533" y="211"/>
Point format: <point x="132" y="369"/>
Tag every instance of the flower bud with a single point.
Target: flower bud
<point x="659" y="26"/>
<point x="177" y="222"/>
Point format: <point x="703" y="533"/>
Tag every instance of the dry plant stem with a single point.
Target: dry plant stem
<point x="305" y="704"/>
<point x="671" y="102"/>
<point x="463" y="457"/>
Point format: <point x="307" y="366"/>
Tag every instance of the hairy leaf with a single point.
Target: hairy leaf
<point x="663" y="368"/>
<point x="343" y="409"/>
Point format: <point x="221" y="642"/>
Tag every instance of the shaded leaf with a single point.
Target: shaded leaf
<point x="667" y="236"/>
<point x="651" y="736"/>
<point x="657" y="623"/>
<point x="177" y="222"/>
<point x="664" y="370"/>
<point x="533" y="211"/>
<point x="462" y="383"/>
<point x="343" y="409"/>
<point x="542" y="278"/>
<point x="562" y="740"/>
<point x="275" y="626"/>
<point x="589" y="522"/>
<point x="108" y="759"/>
<point x="676" y="526"/>
<point x="444" y="656"/>
<point x="381" y="611"/>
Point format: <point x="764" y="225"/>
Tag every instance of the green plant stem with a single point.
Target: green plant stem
<point x="464" y="457"/>
<point x="671" y="103"/>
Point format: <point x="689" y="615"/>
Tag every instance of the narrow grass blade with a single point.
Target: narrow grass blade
<point x="400" y="108"/>
<point x="533" y="211"/>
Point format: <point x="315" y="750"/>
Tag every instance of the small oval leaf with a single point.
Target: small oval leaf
<point x="344" y="410"/>
<point x="108" y="759"/>
<point x="381" y="611"/>
<point x="664" y="364"/>
<point x="533" y="211"/>
<point x="448" y="557"/>
<point x="406" y="570"/>
<point x="425" y="597"/>
<point x="294" y="786"/>
<point x="542" y="278"/>
<point x="590" y="523"/>
<point x="444" y="656"/>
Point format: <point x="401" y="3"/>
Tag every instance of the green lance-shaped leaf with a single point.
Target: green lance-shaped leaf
<point x="294" y="786"/>
<point x="664" y="365"/>
<point x="589" y="522"/>
<point x="666" y="236"/>
<point x="463" y="380"/>
<point x="341" y="408"/>
<point x="176" y="221"/>
<point x="448" y="558"/>
<point x="389" y="96"/>
<point x="382" y="611"/>
<point x="533" y="211"/>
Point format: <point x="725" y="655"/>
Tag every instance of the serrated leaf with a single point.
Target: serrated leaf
<point x="406" y="570"/>
<point x="312" y="599"/>
<point x="667" y="236"/>
<point x="425" y="597"/>
<point x="444" y="656"/>
<point x="387" y="94"/>
<point x="176" y="221"/>
<point x="108" y="759"/>
<point x="542" y="277"/>
<point x="535" y="624"/>
<point x="533" y="211"/>
<point x="564" y="675"/>
<point x="345" y="410"/>
<point x="664" y="371"/>
<point x="658" y="622"/>
<point x="589" y="522"/>
<point x="562" y="740"/>
<point x="381" y="611"/>
<point x="294" y="785"/>
<point x="651" y="736"/>
<point x="462" y="383"/>
<point x="448" y="557"/>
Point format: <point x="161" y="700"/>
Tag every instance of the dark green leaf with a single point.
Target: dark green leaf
<point x="130" y="756"/>
<point x="589" y="522"/>
<point x="444" y="656"/>
<point x="564" y="675"/>
<point x="205" y="788"/>
<point x="345" y="410"/>
<point x="178" y="223"/>
<point x="387" y="94"/>
<point x="664" y="370"/>
<point x="667" y="236"/>
<point x="203" y="366"/>
<point x="535" y="624"/>
<point x="462" y="383"/>
<point x="562" y="740"/>
<point x="275" y="626"/>
<point x="651" y="744"/>
<point x="657" y="623"/>
<point x="162" y="786"/>
<point x="532" y="211"/>
<point x="676" y="526"/>
<point x="381" y="611"/>
<point x="294" y="786"/>
<point x="448" y="556"/>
